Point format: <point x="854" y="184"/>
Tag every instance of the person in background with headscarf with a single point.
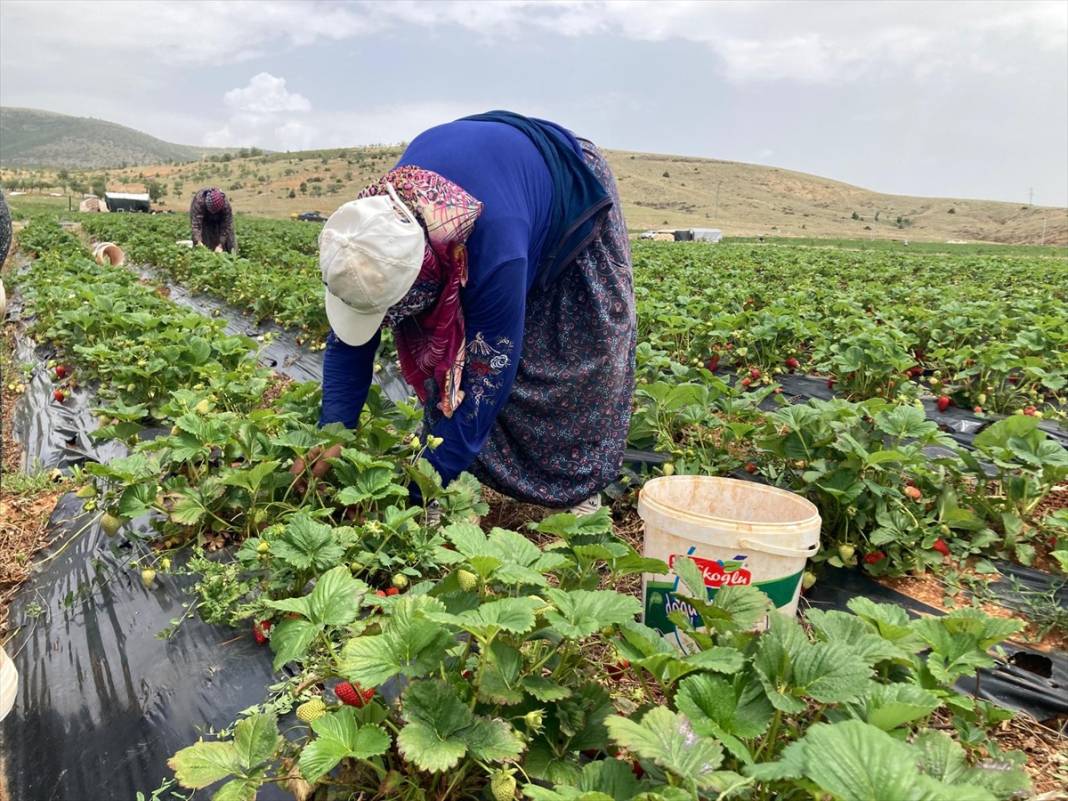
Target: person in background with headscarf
<point x="497" y="252"/>
<point x="5" y="243"/>
<point x="212" y="221"/>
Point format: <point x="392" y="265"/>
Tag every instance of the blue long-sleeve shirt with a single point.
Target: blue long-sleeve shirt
<point x="500" y="166"/>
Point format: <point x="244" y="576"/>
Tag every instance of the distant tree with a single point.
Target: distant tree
<point x="877" y="216"/>
<point x="304" y="187"/>
<point x="62" y="175"/>
<point x="317" y="190"/>
<point x="951" y="211"/>
<point x="292" y="194"/>
<point x="666" y="174"/>
<point x="856" y="216"/>
<point x="77" y="186"/>
<point x="98" y="185"/>
<point x="178" y="186"/>
<point x="156" y="190"/>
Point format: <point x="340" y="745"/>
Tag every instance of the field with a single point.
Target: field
<point x="917" y="398"/>
<point x="658" y="191"/>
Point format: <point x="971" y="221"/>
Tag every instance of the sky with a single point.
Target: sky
<point x="952" y="99"/>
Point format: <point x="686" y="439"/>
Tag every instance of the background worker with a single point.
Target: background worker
<point x="212" y="221"/>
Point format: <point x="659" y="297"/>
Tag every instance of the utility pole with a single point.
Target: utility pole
<point x="1030" y="197"/>
<point x="716" y="212"/>
<point x="1046" y="217"/>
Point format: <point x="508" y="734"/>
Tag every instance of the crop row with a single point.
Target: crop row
<point x="518" y="670"/>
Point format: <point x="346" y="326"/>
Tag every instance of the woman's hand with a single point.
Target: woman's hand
<point x="319" y="461"/>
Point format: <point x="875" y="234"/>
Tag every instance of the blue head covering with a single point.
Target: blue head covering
<point x="579" y="200"/>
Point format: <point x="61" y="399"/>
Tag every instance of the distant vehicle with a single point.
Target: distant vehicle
<point x="311" y="216"/>
<point x="125" y="201"/>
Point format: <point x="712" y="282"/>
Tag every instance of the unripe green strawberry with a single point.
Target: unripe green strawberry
<point x="110" y="523"/>
<point x="148" y="576"/>
<point x="534" y="719"/>
<point x="203" y="406"/>
<point x="668" y="468"/>
<point x="400" y="581"/>
<point x="165" y="564"/>
<point x="808" y="579"/>
<point x="502" y="785"/>
<point x="468" y="581"/>
<point x="263" y="546"/>
<point x="846" y="551"/>
<point x="311" y="710"/>
<point x="88" y="491"/>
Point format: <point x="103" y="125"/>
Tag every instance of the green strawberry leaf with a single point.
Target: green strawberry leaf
<point x="340" y="736"/>
<point x="581" y="613"/>
<point x="291" y="639"/>
<point x="544" y="689"/>
<point x="515" y="615"/>
<point x="307" y="544"/>
<point x="238" y="790"/>
<point x="668" y="739"/>
<point x="686" y="569"/>
<point x="203" y="764"/>
<point x="255" y="739"/>
<point x="411" y="644"/>
<point x="888" y="706"/>
<point x="335" y="600"/>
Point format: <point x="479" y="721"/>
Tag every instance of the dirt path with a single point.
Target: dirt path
<point x="26" y="501"/>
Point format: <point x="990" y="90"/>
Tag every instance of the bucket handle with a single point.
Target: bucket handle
<point x="779" y="550"/>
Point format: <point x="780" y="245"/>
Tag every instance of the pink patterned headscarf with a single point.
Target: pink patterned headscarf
<point x="428" y="322"/>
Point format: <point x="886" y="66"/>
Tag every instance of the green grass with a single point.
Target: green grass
<point x="28" y="483"/>
<point x="967" y="249"/>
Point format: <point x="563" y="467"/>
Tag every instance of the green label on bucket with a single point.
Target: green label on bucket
<point x="660" y="600"/>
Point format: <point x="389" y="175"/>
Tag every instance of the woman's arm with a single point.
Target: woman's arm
<point x="347" y="374"/>
<point x="493" y="320"/>
<point x="196" y="218"/>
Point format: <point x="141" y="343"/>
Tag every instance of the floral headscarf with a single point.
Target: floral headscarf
<point x="428" y="322"/>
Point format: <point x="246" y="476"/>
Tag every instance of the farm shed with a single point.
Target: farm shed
<point x="698" y="235"/>
<point x="124" y="201"/>
<point x="706" y="234"/>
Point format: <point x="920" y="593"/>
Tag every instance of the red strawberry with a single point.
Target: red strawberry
<point x="260" y="630"/>
<point x="353" y="694"/>
<point x="636" y="769"/>
<point x="392" y="591"/>
<point x="617" y="670"/>
<point x="873" y="557"/>
<point x="913" y="493"/>
<point x="750" y="467"/>
<point x="944" y="402"/>
<point x="830" y="383"/>
<point x="59" y="395"/>
<point x="792" y="364"/>
<point x="61" y="371"/>
<point x="467" y="674"/>
<point x="712" y="363"/>
<point x="1030" y="411"/>
<point x="754" y="373"/>
<point x="745" y="382"/>
<point x="978" y="410"/>
<point x="380" y="593"/>
<point x="941" y="547"/>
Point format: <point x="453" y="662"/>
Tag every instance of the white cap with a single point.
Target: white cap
<point x="370" y="257"/>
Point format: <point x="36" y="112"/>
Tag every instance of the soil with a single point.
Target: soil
<point x="24" y="515"/>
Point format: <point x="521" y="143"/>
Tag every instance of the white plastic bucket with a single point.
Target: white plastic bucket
<point x="9" y="683"/>
<point x="737" y="532"/>
<point x="108" y="253"/>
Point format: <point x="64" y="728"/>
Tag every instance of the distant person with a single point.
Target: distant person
<point x="212" y="220"/>
<point x="5" y="244"/>
<point x="497" y="252"/>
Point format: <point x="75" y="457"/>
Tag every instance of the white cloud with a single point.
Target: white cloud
<point x="813" y="42"/>
<point x="266" y="94"/>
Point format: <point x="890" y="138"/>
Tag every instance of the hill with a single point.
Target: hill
<point x="29" y="137"/>
<point x="658" y="191"/>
